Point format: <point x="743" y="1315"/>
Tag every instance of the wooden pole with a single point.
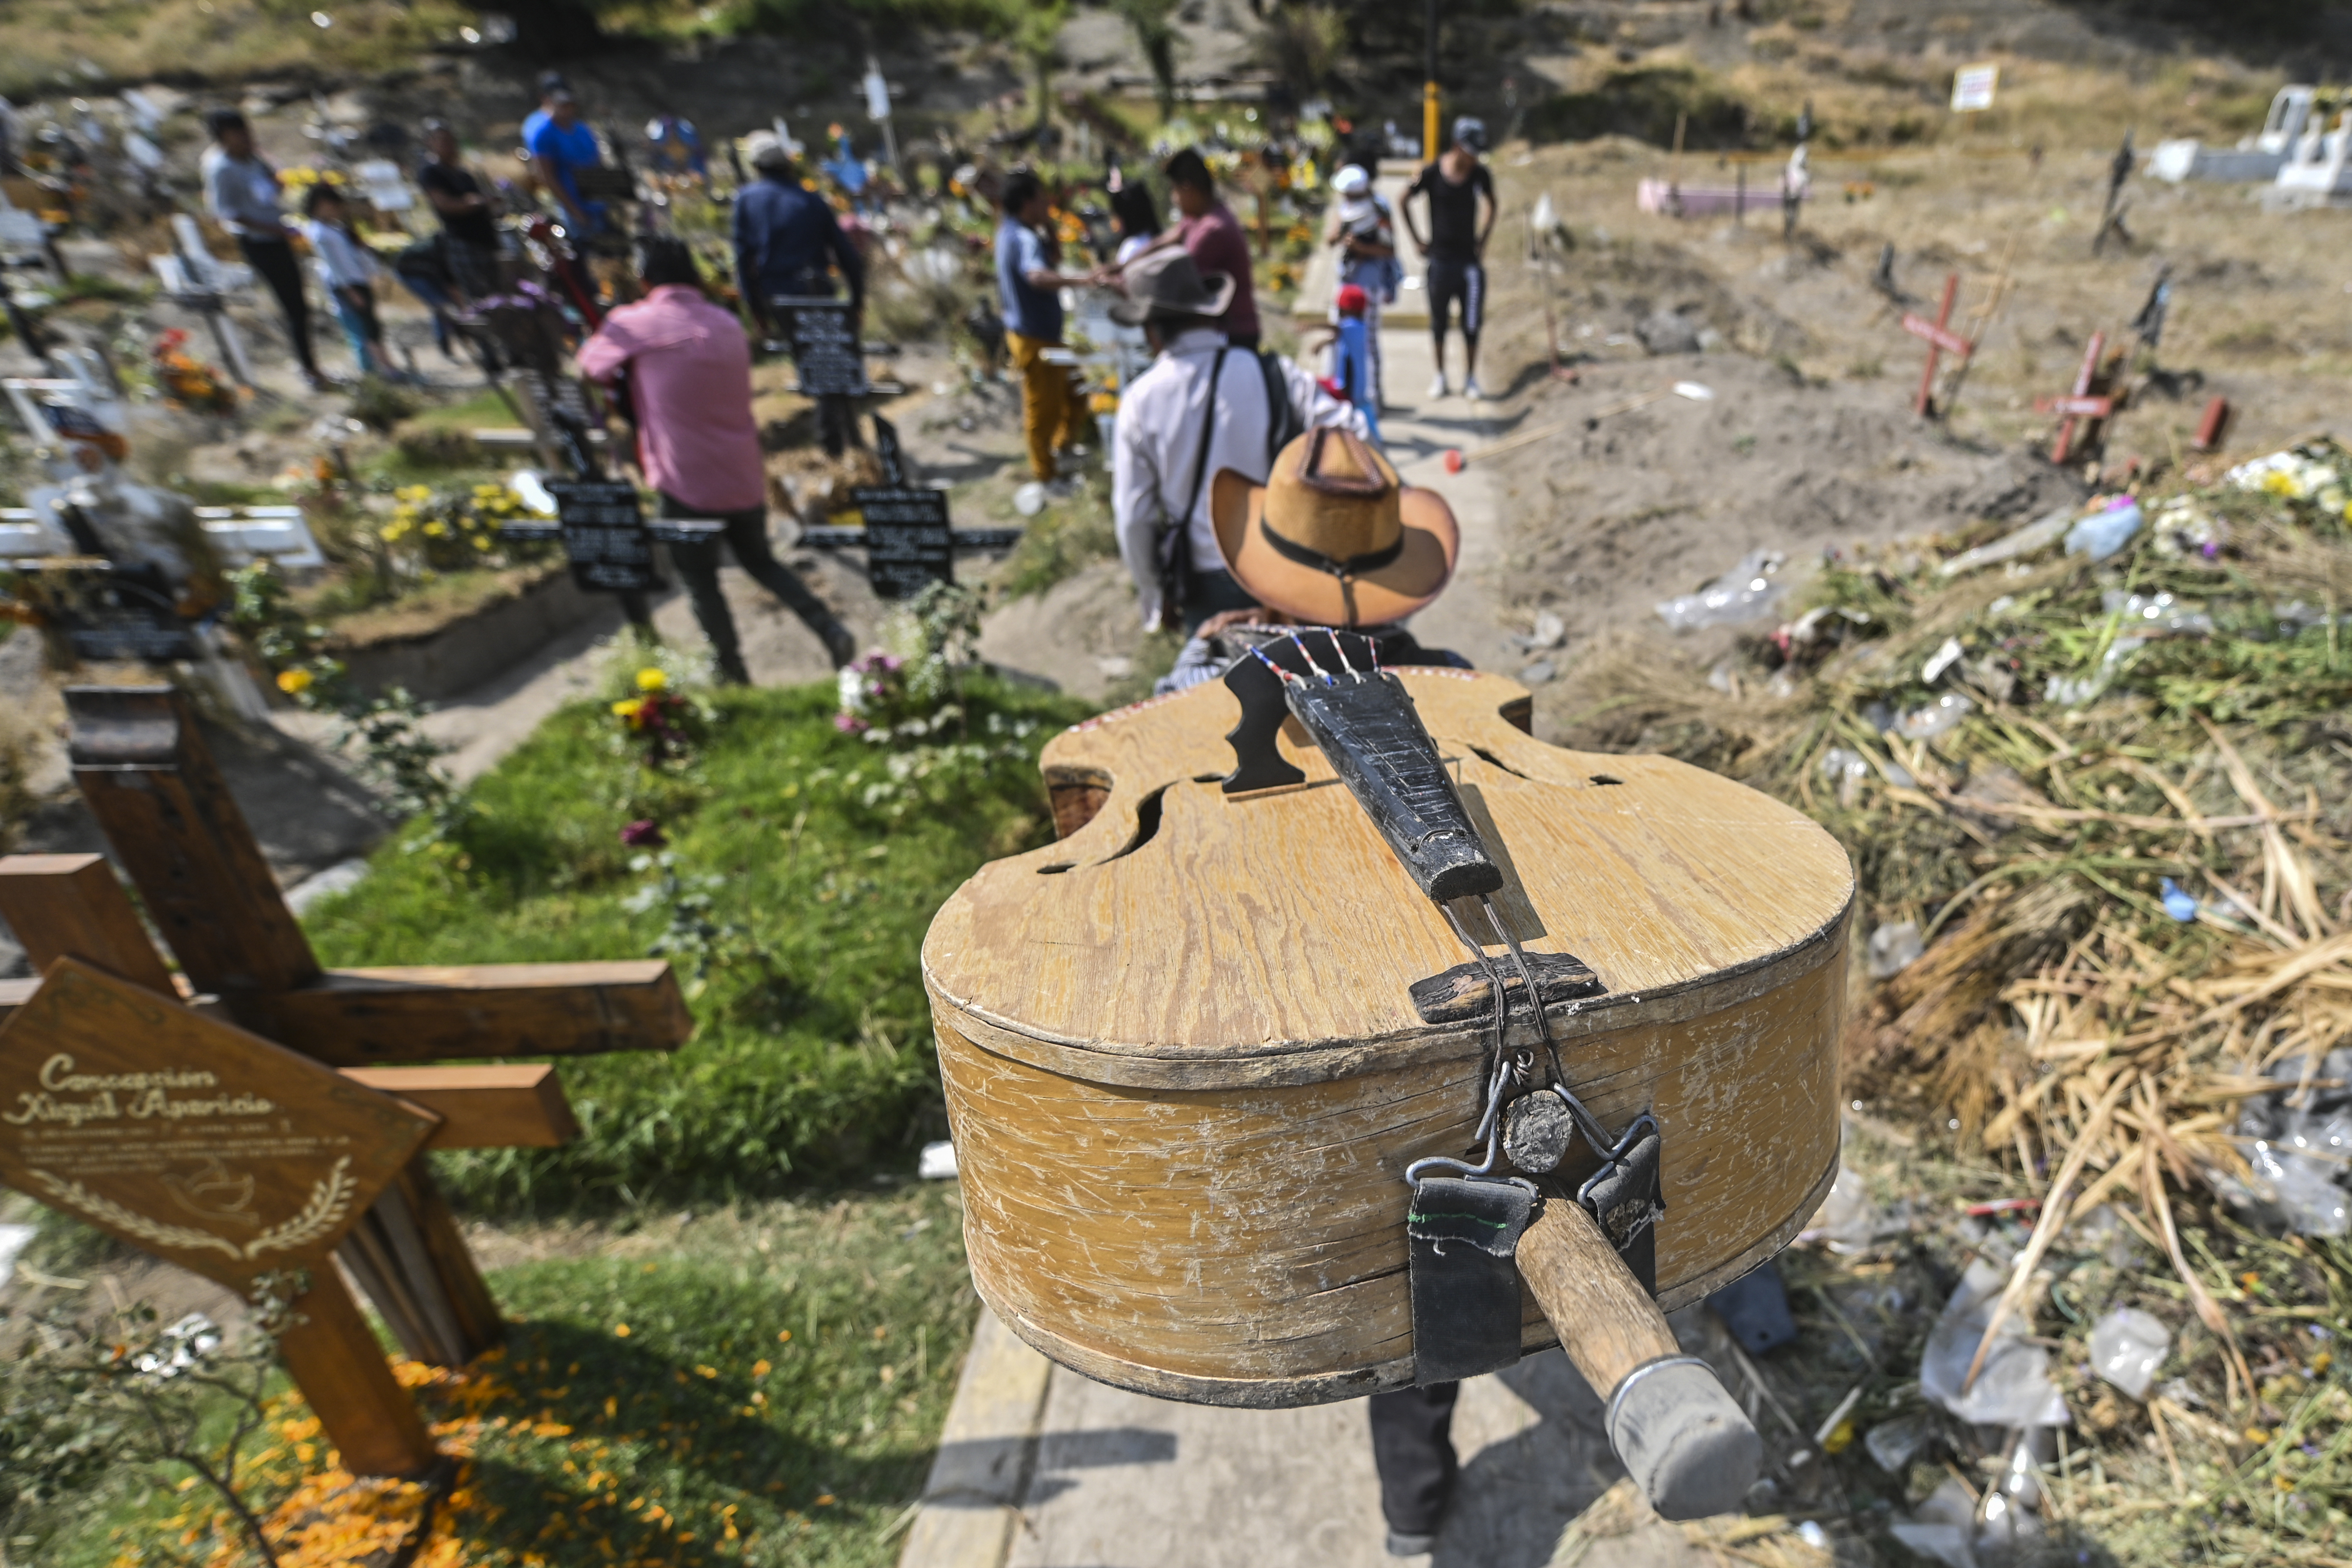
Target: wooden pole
<point x="334" y="1357"/>
<point x="1690" y="1448"/>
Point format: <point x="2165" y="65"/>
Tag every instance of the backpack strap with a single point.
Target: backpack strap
<point x="1176" y="549"/>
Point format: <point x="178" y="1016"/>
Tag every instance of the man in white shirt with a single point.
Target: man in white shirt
<point x="1175" y="431"/>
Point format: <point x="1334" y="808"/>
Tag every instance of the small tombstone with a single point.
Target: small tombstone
<point x="603" y="526"/>
<point x="823" y="333"/>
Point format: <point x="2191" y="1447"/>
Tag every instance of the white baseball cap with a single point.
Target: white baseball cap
<point x="1351" y="181"/>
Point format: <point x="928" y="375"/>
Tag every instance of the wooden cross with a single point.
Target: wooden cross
<point x="1941" y="340"/>
<point x="2087" y="402"/>
<point x="249" y="982"/>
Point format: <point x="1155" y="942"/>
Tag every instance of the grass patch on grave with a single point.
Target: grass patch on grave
<point x="797" y="869"/>
<point x="761" y="1385"/>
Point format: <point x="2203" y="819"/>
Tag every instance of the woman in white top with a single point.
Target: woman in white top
<point x="349" y="270"/>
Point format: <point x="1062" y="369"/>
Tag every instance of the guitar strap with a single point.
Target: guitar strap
<point x="1463" y="1223"/>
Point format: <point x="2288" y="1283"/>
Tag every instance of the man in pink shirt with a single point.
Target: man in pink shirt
<point x="1212" y="237"/>
<point x="690" y="380"/>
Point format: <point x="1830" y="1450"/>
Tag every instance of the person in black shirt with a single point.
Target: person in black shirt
<point x="468" y="222"/>
<point x="1454" y="245"/>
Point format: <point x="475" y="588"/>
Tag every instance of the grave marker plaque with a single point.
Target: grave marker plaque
<point x="826" y="350"/>
<point x="187" y="1137"/>
<point x="106" y="614"/>
<point x="605" y="536"/>
<point x="909" y="541"/>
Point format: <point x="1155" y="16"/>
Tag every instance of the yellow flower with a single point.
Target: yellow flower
<point x="413" y="493"/>
<point x="482" y="543"/>
<point x="628" y="707"/>
<point x="620" y="1330"/>
<point x="651" y="679"/>
<point x="293" y="682"/>
<point x="436" y="530"/>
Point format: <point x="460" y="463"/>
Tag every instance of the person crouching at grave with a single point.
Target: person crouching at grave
<point x="349" y="270"/>
<point x="1031" y="292"/>
<point x="689" y="369"/>
<point x="241" y="192"/>
<point x="1206" y="406"/>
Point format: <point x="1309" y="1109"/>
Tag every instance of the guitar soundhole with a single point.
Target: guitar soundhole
<point x="1606" y="779"/>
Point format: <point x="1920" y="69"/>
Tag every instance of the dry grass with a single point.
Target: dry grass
<point x="55" y="44"/>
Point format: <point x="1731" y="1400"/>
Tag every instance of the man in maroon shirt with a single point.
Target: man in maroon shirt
<point x="689" y="369"/>
<point x="1212" y="237"/>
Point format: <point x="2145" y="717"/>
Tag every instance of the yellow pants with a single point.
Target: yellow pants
<point x="1049" y="407"/>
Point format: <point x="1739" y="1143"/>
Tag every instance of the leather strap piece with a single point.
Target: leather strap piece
<point x="1463" y="1238"/>
<point x="1353" y="567"/>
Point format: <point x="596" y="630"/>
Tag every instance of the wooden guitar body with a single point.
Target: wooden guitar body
<point x="1186" y="1074"/>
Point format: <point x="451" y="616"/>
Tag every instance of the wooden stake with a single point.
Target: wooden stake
<point x="334" y="1357"/>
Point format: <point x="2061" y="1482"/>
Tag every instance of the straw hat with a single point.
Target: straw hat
<point x="1333" y="537"/>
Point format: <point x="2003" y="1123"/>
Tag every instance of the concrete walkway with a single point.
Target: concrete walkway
<point x="1040" y="1467"/>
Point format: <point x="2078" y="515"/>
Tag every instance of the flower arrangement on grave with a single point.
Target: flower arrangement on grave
<point x="449" y="530"/>
<point x="185" y="381"/>
<point x="662" y="721"/>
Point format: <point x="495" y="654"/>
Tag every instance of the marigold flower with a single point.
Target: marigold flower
<point x="629" y="707"/>
<point x="293" y="682"/>
<point x="651" y="679"/>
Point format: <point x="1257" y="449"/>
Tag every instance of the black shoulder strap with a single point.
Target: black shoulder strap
<point x="1283" y="425"/>
<point x="1176" y="553"/>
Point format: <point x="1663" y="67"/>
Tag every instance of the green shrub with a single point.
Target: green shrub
<point x="826" y="852"/>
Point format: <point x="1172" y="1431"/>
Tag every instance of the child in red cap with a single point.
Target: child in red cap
<point x="1352" y="374"/>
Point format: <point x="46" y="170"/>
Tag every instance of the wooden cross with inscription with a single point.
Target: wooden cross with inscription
<point x="256" y="1111"/>
<point x="1941" y="340"/>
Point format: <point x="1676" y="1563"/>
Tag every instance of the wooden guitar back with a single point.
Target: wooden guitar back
<point x="1186" y="1074"/>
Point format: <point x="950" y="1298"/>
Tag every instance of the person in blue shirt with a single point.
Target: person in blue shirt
<point x="1030" y="290"/>
<point x="559" y="142"/>
<point x="787" y="239"/>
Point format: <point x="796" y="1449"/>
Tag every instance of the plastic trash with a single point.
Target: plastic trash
<point x="1942" y="659"/>
<point x="1894" y="949"/>
<point x="1697" y="392"/>
<point x="1893" y="1445"/>
<point x="1943" y="1527"/>
<point x="2039" y="535"/>
<point x="1029" y="499"/>
<point x="1846" y="770"/>
<point x="2104" y="532"/>
<point x="2302" y="1187"/>
<point x="1937" y="718"/>
<point x="2328" y="1137"/>
<point x="2013" y="1389"/>
<point x="1538" y="673"/>
<point x="1847" y="1218"/>
<point x="1755" y="1308"/>
<point x="1743" y="594"/>
<point x="2177" y="904"/>
<point x="2127" y="1347"/>
<point x="938" y="1162"/>
<point x="2009" y="1520"/>
<point x="2155" y="610"/>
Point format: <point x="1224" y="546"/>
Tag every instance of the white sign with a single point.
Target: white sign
<point x="1972" y="86"/>
<point x="877" y="96"/>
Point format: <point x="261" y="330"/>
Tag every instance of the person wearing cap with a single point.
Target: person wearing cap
<point x="1029" y="289"/>
<point x="1205" y="406"/>
<point x="560" y="142"/>
<point x="689" y="370"/>
<point x="242" y="192"/>
<point x="1455" y="245"/>
<point x="788" y="243"/>
<point x="1365" y="231"/>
